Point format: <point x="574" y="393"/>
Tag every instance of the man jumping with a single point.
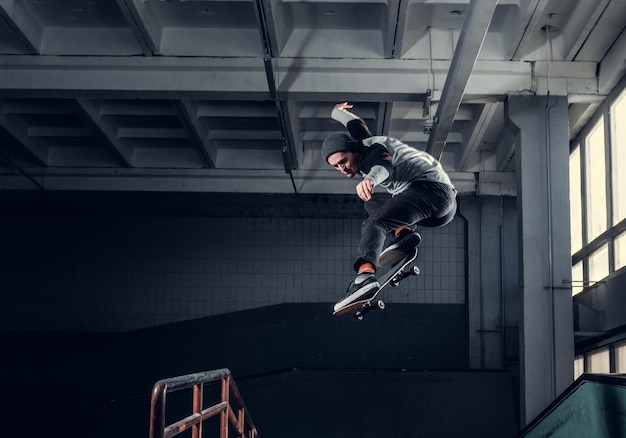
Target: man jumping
<point x="421" y="190"/>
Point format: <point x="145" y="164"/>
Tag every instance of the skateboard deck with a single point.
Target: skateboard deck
<point x="393" y="276"/>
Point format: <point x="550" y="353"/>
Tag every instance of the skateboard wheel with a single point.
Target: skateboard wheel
<point x="380" y="304"/>
<point x="415" y="270"/>
<point x="358" y="316"/>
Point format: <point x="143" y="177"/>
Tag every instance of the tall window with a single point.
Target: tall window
<point x="575" y="185"/>
<point x="595" y="176"/>
<point x="597" y="167"/>
<point x="598" y="362"/>
<point x="579" y="366"/>
<point x="577" y="278"/>
<point x="618" y="172"/>
<point x="607" y="359"/>
<point x="620" y="358"/>
<point x="620" y="251"/>
<point x="597" y="180"/>
<point x="599" y="264"/>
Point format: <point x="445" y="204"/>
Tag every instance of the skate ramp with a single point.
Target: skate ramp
<point x="375" y="403"/>
<point x="592" y="407"/>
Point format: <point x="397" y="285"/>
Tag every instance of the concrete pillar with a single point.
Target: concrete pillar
<point x="492" y="282"/>
<point x="484" y="219"/>
<point x="540" y="126"/>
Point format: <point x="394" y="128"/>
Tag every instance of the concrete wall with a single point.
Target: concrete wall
<point x="119" y="262"/>
<point x="115" y="271"/>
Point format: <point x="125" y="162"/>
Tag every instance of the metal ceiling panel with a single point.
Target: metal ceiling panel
<point x="235" y="95"/>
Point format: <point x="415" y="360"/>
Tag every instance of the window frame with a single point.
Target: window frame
<point x="612" y="231"/>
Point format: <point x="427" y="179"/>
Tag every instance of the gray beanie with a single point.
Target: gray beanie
<point x="339" y="142"/>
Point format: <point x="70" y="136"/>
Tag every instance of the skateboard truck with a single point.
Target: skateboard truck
<point x="395" y="281"/>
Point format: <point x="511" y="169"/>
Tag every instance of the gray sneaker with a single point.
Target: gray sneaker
<point x="359" y="289"/>
<point x="404" y="245"/>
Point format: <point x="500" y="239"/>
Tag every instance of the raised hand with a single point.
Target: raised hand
<point x="343" y="106"/>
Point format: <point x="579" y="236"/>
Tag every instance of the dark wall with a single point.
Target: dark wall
<point x="76" y="263"/>
<point x="96" y="383"/>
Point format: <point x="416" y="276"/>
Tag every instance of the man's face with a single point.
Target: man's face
<point x="345" y="162"/>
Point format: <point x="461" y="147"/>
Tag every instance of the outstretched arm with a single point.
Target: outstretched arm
<point x="356" y="125"/>
<point x="378" y="167"/>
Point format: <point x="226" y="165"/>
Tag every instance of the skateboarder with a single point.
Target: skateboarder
<point x="421" y="190"/>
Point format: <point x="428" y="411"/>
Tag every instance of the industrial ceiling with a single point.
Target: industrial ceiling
<point x="235" y="95"/>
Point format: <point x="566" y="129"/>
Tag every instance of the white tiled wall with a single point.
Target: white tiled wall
<point x="124" y="273"/>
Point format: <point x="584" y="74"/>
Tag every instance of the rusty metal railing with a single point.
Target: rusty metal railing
<point x="237" y="418"/>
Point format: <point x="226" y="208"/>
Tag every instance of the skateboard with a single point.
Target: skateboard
<point x="393" y="276"/>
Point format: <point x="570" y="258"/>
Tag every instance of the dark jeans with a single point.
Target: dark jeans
<point x="425" y="203"/>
